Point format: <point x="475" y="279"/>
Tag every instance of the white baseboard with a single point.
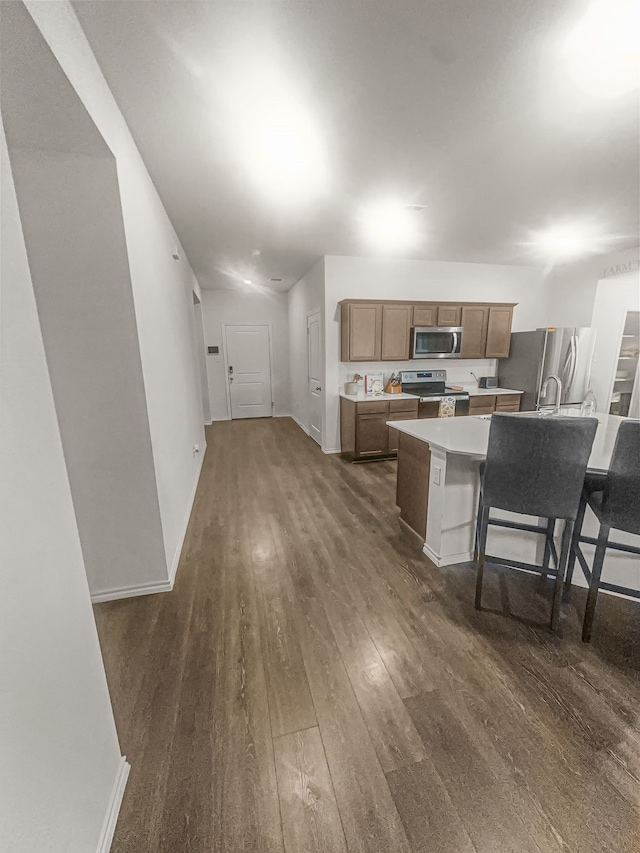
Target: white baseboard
<point x="187" y="516"/>
<point x="329" y="450"/>
<point x="215" y="420"/>
<point x="449" y="560"/>
<point x="162" y="585"/>
<point x="113" y="809"/>
<point x="300" y="424"/>
<point x="131" y="591"/>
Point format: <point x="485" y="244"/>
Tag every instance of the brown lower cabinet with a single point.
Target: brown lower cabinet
<point x="364" y="433"/>
<point x="487" y="404"/>
<point x="363" y="426"/>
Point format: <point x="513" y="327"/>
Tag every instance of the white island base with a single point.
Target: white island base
<point x="438" y="489"/>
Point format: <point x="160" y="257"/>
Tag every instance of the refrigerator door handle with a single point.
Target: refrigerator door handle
<point x="576" y="359"/>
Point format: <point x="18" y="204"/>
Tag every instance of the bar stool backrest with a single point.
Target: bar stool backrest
<point x="536" y="465"/>
<point x="621" y="504"/>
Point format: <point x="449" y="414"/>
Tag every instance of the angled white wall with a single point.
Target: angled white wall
<point x="60" y="763"/>
<point x="161" y="288"/>
<point x="305" y="297"/>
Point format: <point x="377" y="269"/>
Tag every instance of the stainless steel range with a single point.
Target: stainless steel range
<point x="430" y="386"/>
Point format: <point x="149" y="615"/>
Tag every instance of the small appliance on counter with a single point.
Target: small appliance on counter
<point x="435" y="397"/>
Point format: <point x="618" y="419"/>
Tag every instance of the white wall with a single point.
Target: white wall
<point x="59" y="753"/>
<point x="305" y="297"/>
<point x="574" y="285"/>
<point x="614" y="297"/>
<point x="391" y="278"/>
<point x="161" y="286"/>
<point x="231" y="307"/>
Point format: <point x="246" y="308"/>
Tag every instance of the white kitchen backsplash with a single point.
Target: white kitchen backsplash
<point x="458" y="370"/>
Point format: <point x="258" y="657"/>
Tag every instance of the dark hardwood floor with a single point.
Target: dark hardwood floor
<point x="314" y="683"/>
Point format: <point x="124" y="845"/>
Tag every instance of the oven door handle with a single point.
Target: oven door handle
<point x="454" y="349"/>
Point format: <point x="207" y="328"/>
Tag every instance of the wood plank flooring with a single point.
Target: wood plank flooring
<point x="314" y="684"/>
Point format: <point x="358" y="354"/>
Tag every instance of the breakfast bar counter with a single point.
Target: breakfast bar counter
<point x="438" y="487"/>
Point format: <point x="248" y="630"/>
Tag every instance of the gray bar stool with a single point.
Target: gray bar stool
<point x="535" y="466"/>
<point x="615" y="499"/>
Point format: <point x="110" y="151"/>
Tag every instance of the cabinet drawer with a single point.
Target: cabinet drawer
<point x="372" y="408"/>
<point x="403" y="406"/>
<point x="481" y="410"/>
<point x="482" y="401"/>
<point x="507" y="402"/>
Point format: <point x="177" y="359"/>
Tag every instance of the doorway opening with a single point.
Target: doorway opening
<point x="314" y="376"/>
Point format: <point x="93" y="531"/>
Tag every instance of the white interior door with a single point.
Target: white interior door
<point x="314" y="356"/>
<point x="249" y="371"/>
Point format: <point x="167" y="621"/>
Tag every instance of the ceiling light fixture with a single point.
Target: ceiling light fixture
<point x="390" y="226"/>
<point x="602" y="51"/>
<point x="569" y="241"/>
<point x="247" y="281"/>
<point x="274" y="134"/>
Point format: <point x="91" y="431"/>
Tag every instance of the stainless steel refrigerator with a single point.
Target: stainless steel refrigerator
<point x="534" y="356"/>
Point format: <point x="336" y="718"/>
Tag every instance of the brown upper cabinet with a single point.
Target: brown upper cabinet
<point x="396" y="332"/>
<point x="449" y="315"/>
<point x="361" y="331"/>
<point x="425" y="315"/>
<point x="499" y="331"/>
<point x="381" y="331"/>
<point x="436" y="315"/>
<point x="474" y="330"/>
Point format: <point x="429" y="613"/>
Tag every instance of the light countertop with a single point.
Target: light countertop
<point x="469" y="436"/>
<point x="484" y="392"/>
<point x="361" y="397"/>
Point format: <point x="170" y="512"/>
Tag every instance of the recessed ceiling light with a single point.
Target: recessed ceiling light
<point x="247" y="281"/>
<point x="569" y="241"/>
<point x="602" y="51"/>
<point x="256" y="252"/>
<point x="390" y="226"/>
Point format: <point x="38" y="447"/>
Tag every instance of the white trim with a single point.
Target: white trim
<point x="131" y="591"/>
<point x="300" y="424"/>
<point x="449" y="560"/>
<point x="218" y="420"/>
<point x="329" y="450"/>
<point x="187" y="516"/>
<point x="113" y="809"/>
<point x="163" y="585"/>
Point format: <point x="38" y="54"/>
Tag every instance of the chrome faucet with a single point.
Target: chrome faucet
<point x="558" y="382"/>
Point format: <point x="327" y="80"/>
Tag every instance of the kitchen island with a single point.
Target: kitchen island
<point x="438" y="487"/>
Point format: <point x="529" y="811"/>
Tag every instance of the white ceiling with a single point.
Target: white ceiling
<point x="463" y="105"/>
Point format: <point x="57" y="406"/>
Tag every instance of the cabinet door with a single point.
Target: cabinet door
<point x="499" y="332"/>
<point x="394" y="435"/>
<point x="365" y="332"/>
<point x="372" y="435"/>
<point x="482" y="404"/>
<point x="474" y="331"/>
<point x="396" y="329"/>
<point x="425" y="315"/>
<point x="449" y="315"/>
<point x="507" y="402"/>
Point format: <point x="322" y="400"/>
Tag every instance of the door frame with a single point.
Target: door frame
<point x="322" y="378"/>
<point x="225" y="360"/>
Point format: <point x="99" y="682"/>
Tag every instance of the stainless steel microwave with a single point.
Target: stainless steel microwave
<point x="436" y="341"/>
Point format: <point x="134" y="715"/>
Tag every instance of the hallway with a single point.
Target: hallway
<point x="313" y="683"/>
